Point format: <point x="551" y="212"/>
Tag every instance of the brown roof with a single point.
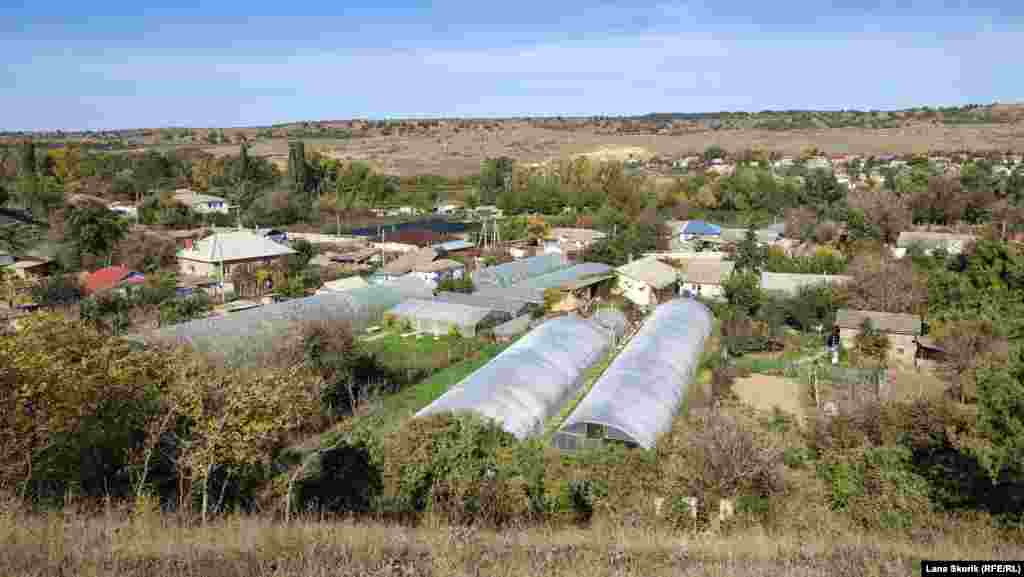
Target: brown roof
<point x="893" y="323"/>
<point x="708" y="271"/>
<point x="438" y="265"/>
<point x="409" y="261"/>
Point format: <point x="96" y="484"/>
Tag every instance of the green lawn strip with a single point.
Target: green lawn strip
<point x="403" y="404"/>
<point x="397" y="352"/>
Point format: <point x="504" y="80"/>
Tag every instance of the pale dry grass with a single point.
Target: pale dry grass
<point x="150" y="544"/>
<point x="423" y="153"/>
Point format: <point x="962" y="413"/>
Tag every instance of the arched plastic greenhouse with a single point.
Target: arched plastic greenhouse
<point x="508" y="274"/>
<point x="529" y="382"/>
<point x="242" y="336"/>
<point x="636" y="398"/>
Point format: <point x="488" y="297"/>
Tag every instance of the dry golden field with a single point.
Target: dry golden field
<point x="426" y="152"/>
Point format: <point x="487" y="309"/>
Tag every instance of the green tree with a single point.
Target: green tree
<point x="181" y="310"/>
<point x="304" y="252"/>
<point x="750" y="256"/>
<point x="95" y="230"/>
<point x="743" y="291"/>
<point x="298" y="170"/>
<point x="822" y="191"/>
<point x="1001" y="416"/>
<point x="494" y="174"/>
<point x="713" y="152"/>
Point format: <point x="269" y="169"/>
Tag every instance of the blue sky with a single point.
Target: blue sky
<point x="74" y="65"/>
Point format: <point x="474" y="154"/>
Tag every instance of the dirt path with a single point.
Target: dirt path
<point x="763" y="392"/>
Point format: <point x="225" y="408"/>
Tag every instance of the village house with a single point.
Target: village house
<point x="439" y="270"/>
<point x="229" y="251"/>
<point x="406" y="263"/>
<point x="201" y="203"/>
<point x="110" y="278"/>
<point x="691" y="230"/>
<point x="647" y="282"/>
<point x="27" y="267"/>
<point x="571" y="240"/>
<point x="704" y="277"/>
<point x="903" y="331"/>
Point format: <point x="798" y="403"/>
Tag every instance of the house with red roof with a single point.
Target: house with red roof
<point x="109" y="278"/>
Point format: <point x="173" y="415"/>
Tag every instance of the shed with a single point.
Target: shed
<point x="902" y="330"/>
<point x="637" y="396"/>
<point x="439" y="318"/>
<point x="453" y="246"/>
<point x="529" y="382"/>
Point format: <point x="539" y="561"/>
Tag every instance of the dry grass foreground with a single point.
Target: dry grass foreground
<point x="414" y="154"/>
<point x="151" y="545"/>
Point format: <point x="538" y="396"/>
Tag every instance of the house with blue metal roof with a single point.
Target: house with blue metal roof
<point x="689" y="230"/>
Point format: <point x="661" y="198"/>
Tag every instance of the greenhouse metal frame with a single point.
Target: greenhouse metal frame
<point x="529" y="382"/>
<point x="637" y="397"/>
<point x="438" y="318"/>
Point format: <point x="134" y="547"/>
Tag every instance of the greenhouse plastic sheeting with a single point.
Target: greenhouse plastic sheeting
<point x="532" y="290"/>
<point x="529" y="382"/>
<point x="638" y="395"/>
<point x="508" y="274"/>
<point x="512" y="307"/>
<point x="240" y="336"/>
<point x="562" y="277"/>
<point x="437" y="318"/>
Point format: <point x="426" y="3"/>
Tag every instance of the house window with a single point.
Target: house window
<point x="595" y="431"/>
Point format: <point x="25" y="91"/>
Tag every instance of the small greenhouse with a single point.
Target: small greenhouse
<point x="532" y="290"/>
<point x="439" y="318"/>
<point x="529" y="382"/>
<point x="512" y="307"/>
<point x="508" y="274"/>
<point x="241" y="337"/>
<point x="636" y="398"/>
<point x="568" y="276"/>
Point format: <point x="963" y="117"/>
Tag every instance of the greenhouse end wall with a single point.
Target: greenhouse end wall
<point x="531" y="381"/>
<point x="637" y="397"/>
